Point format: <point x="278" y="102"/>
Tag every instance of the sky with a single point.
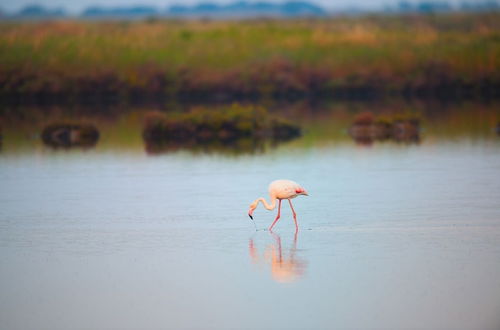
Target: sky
<point x="76" y="6"/>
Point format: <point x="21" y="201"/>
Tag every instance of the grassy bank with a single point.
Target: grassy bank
<point x="234" y="125"/>
<point x="423" y="56"/>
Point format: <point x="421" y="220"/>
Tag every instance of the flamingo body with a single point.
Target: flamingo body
<point x="285" y="189"/>
<point x="279" y="190"/>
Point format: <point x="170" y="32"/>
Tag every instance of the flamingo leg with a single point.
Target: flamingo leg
<point x="277" y="217"/>
<point x="294" y="216"/>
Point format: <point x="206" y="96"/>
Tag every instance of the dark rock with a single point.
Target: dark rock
<point x="366" y="129"/>
<point x="406" y="131"/>
<point x="67" y="135"/>
<point x="223" y="127"/>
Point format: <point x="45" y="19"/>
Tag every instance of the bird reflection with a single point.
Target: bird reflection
<point x="286" y="266"/>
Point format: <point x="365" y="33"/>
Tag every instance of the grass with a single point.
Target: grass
<point x="456" y="54"/>
<point x="223" y="125"/>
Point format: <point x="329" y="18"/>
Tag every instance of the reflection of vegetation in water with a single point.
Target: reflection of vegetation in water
<point x="366" y="128"/>
<point x="469" y="120"/>
<point x="237" y="146"/>
<point x="70" y="134"/>
<point x="236" y="127"/>
<point x="324" y="125"/>
<point x="329" y="123"/>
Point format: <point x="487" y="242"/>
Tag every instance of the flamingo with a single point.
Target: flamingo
<point x="279" y="190"/>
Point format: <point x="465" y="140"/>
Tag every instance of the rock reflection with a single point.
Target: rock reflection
<point x="67" y="135"/>
<point x="367" y="129"/>
<point x="285" y="265"/>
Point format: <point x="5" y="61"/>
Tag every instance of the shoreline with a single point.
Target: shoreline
<point x="452" y="92"/>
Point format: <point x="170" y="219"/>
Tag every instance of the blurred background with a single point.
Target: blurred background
<point x="134" y="136"/>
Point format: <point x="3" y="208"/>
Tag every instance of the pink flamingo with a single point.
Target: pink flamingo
<point x="279" y="190"/>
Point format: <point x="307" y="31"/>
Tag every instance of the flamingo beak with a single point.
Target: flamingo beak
<point x="250" y="214"/>
<point x="305" y="193"/>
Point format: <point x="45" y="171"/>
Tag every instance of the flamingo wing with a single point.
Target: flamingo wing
<point x="284" y="189"/>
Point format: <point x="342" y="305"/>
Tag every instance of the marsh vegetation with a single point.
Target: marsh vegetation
<point x="443" y="56"/>
<point x="231" y="126"/>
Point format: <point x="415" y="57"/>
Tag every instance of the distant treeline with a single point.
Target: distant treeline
<point x="242" y="9"/>
<point x="422" y="56"/>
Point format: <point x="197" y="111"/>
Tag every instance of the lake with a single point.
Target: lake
<point x="394" y="235"/>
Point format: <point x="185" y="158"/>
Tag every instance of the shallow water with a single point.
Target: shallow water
<point x="393" y="236"/>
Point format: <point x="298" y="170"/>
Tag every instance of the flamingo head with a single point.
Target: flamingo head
<point x="253" y="206"/>
<point x="301" y="191"/>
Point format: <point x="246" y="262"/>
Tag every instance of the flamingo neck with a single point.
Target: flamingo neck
<point x="266" y="205"/>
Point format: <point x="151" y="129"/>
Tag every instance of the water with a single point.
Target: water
<point x="392" y="236"/>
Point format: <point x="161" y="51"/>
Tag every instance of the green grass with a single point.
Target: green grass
<point x="252" y="57"/>
<point x="223" y="123"/>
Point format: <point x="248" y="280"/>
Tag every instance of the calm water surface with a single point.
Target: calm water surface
<point x="393" y="236"/>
